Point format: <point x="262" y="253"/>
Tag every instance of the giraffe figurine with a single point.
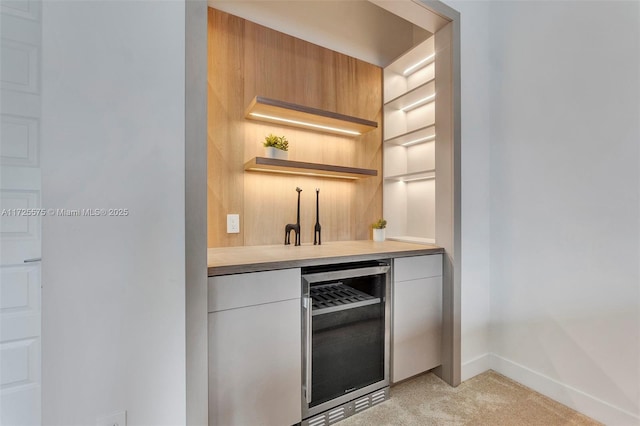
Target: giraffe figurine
<point x="317" y="239"/>
<point x="295" y="227"/>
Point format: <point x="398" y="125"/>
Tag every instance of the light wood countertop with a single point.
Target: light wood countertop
<point x="233" y="260"/>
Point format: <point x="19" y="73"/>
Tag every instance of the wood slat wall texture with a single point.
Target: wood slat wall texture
<point x="248" y="60"/>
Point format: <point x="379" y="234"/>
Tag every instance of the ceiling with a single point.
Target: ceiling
<point x="357" y="28"/>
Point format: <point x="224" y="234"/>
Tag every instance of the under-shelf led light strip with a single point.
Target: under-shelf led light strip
<point x="260" y="169"/>
<point x="418" y="103"/>
<point x="304" y="123"/>
<point x="419" y="140"/>
<point x="415" y="67"/>
<point x="417" y="178"/>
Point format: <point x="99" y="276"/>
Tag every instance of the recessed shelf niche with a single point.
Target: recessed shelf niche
<point x="420" y="135"/>
<point x="409" y="145"/>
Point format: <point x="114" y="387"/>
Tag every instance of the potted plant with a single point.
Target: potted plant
<point x="276" y="146"/>
<point x="378" y="230"/>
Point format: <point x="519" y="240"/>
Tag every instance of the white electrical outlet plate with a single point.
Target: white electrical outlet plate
<point x="115" y="419"/>
<point x="233" y="224"/>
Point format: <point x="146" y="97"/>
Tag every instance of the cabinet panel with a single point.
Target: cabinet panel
<point x="235" y="291"/>
<point x="411" y="268"/>
<point x="255" y="371"/>
<point x="417" y="322"/>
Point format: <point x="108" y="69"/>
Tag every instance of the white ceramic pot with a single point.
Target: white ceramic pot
<point x="378" y="234"/>
<point x="271" y="152"/>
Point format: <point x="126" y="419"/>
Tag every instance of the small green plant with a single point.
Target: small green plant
<point x="278" y="142"/>
<point x="380" y="224"/>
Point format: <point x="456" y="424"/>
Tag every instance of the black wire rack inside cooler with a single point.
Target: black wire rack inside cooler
<point x="338" y="296"/>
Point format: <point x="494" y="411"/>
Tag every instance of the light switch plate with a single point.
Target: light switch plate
<point x="233" y="224"/>
<point x="115" y="419"/>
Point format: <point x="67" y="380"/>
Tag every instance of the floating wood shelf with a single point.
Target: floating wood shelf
<point x="288" y="114"/>
<point x="274" y="165"/>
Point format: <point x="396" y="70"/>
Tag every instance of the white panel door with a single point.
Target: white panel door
<point x="417" y="323"/>
<point x="255" y="370"/>
<point x="20" y="357"/>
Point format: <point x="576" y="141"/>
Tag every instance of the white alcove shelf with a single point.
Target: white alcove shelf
<point x="409" y="167"/>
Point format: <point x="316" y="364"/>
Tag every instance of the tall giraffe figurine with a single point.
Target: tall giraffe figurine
<point x="317" y="239"/>
<point x="295" y="227"/>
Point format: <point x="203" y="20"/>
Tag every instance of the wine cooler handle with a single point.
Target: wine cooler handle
<point x="308" y="304"/>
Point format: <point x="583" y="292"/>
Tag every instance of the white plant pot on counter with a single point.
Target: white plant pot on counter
<point x="271" y="152"/>
<point x="378" y="234"/>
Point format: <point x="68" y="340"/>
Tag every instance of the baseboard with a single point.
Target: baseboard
<point x="571" y="397"/>
<point x="476" y="366"/>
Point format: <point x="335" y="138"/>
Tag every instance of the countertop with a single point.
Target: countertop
<point x="234" y="260"/>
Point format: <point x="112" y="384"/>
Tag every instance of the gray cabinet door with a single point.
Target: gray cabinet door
<point x="416" y="326"/>
<point x="255" y="371"/>
<point x="417" y="316"/>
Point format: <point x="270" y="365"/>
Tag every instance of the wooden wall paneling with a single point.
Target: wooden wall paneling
<point x="368" y="201"/>
<point x="262" y="50"/>
<point x="281" y="67"/>
<point x="331" y="92"/>
<point x="270" y="202"/>
<point x="368" y="197"/>
<point x="225" y="130"/>
<point x="306" y="74"/>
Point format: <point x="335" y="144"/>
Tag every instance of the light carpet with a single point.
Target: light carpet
<point x="487" y="399"/>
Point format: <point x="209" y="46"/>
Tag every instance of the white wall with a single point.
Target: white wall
<point x="565" y="132"/>
<point x="475" y="74"/>
<point x="560" y="131"/>
<point x="113" y="137"/>
<point x="550" y="199"/>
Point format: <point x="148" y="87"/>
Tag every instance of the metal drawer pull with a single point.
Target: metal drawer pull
<point x="35" y="259"/>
